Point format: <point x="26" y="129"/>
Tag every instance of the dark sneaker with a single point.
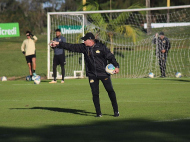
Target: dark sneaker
<point x="116" y="114"/>
<point x="98" y="115"/>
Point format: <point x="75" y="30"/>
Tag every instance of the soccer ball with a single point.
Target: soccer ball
<point x="178" y="75"/>
<point x="36" y="77"/>
<point x="28" y="78"/>
<point x="110" y="69"/>
<point x="37" y="80"/>
<point x="151" y="75"/>
<point x="3" y="78"/>
<point x="51" y="44"/>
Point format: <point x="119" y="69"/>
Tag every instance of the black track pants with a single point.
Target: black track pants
<point x="162" y="63"/>
<point x="58" y="60"/>
<point x="94" y="84"/>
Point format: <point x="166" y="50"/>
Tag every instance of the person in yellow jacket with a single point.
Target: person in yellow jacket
<point x="29" y="50"/>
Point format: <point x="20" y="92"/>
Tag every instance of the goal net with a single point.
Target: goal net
<point x="72" y="28"/>
<point x="129" y="34"/>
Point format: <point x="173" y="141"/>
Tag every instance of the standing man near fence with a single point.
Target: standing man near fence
<point x="59" y="57"/>
<point x="29" y="50"/>
<point x="162" y="49"/>
<point x="96" y="57"/>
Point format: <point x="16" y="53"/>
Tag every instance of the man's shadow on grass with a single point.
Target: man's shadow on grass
<point x="63" y="110"/>
<point x="179" y="80"/>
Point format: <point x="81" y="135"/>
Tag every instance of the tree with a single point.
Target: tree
<point x="112" y="24"/>
<point x="148" y="17"/>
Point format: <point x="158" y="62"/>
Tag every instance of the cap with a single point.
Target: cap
<point x="88" y="36"/>
<point x="28" y="32"/>
<point x="161" y="33"/>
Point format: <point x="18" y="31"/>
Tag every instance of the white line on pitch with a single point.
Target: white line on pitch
<point x="44" y="100"/>
<point x="113" y="84"/>
<point x="147" y="83"/>
<point x="175" y="102"/>
<point x="47" y="84"/>
<point x="154" y="102"/>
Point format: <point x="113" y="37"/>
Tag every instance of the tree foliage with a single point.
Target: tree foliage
<point x="107" y="24"/>
<point x="31" y="14"/>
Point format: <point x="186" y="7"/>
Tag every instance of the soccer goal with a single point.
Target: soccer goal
<point x="129" y="34"/>
<point x="72" y="28"/>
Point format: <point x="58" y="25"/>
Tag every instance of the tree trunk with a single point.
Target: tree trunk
<point x="168" y="15"/>
<point x="148" y="17"/>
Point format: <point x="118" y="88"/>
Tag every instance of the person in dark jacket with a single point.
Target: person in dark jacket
<point x="163" y="47"/>
<point x="96" y="57"/>
<point x="59" y="57"/>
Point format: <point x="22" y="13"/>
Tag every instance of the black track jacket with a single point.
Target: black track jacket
<point x="96" y="57"/>
<point x="163" y="44"/>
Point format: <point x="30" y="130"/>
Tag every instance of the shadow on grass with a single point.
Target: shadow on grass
<point x="17" y="78"/>
<point x="64" y="110"/>
<point x="46" y="80"/>
<point x="135" y="130"/>
<point x="180" y="80"/>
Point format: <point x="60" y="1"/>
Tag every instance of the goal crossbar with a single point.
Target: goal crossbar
<point x="136" y="54"/>
<point x="121" y="10"/>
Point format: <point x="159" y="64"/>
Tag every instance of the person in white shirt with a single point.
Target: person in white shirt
<point x="29" y="50"/>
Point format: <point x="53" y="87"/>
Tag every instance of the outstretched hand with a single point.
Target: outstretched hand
<point x="53" y="43"/>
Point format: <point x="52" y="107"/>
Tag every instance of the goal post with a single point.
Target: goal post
<point x="72" y="28"/>
<point x="124" y="32"/>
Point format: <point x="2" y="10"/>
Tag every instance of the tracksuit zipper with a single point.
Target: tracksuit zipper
<point x="94" y="61"/>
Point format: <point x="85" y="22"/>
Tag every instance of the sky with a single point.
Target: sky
<point x="47" y="4"/>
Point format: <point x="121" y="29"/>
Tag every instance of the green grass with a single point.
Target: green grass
<point x="13" y="62"/>
<point x="134" y="62"/>
<point x="152" y="110"/>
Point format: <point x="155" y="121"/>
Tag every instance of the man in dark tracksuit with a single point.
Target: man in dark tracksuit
<point x="163" y="46"/>
<point x="96" y="56"/>
<point x="59" y="57"/>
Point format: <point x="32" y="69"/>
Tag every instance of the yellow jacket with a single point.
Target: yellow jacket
<point x="28" y="46"/>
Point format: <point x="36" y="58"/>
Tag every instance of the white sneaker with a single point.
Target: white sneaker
<point x="53" y="81"/>
<point x="62" y="81"/>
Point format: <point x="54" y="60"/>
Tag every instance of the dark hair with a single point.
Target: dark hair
<point x="57" y="30"/>
<point x="161" y="33"/>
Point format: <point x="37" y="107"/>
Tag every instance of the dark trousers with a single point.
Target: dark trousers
<point x="58" y="60"/>
<point x="94" y="84"/>
<point x="162" y="63"/>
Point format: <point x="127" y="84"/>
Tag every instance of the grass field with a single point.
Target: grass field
<point x="152" y="110"/>
<point x="12" y="60"/>
<point x="133" y="63"/>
